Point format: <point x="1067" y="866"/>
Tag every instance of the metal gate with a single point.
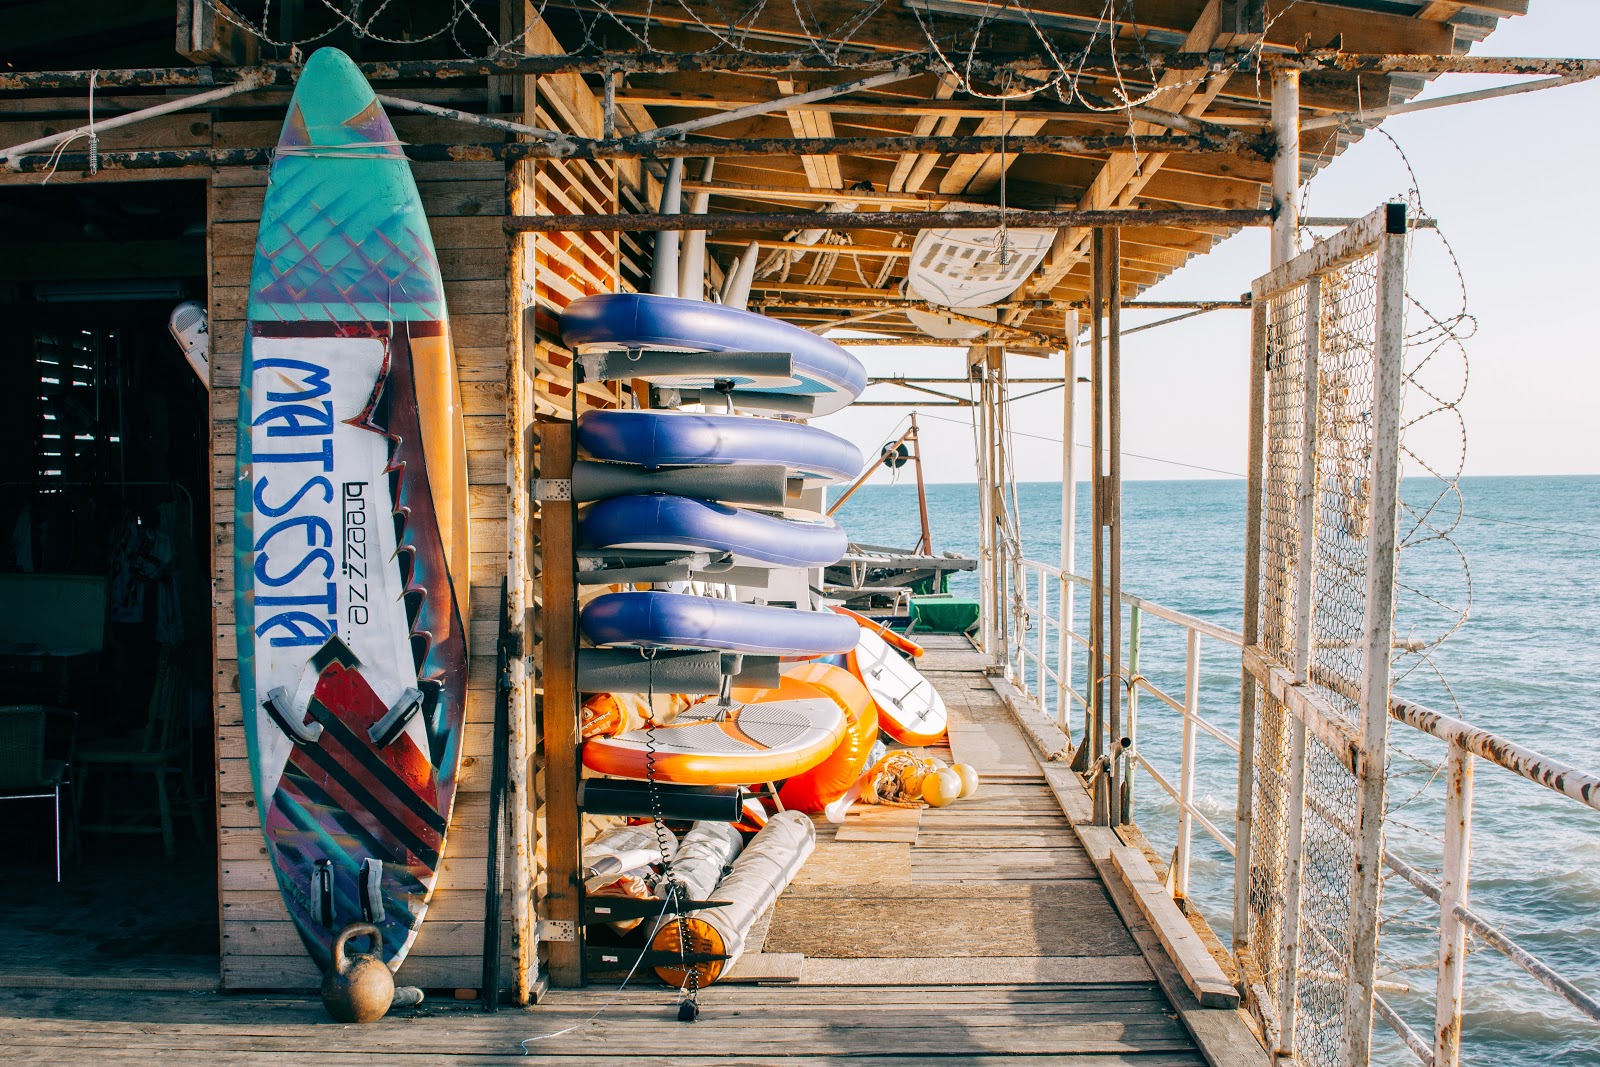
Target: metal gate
<point x="1327" y="352"/>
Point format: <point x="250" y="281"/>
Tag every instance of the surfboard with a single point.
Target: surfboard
<point x="822" y="370"/>
<point x="968" y="268"/>
<point x="682" y="620"/>
<point x="655" y="439"/>
<point x="754" y="539"/>
<point x="350" y="518"/>
<point x="910" y="709"/>
<point x="763" y="735"/>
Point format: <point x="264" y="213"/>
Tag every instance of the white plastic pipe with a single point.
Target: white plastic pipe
<point x="692" y="271"/>
<point x="664" y="266"/>
<point x="736" y="293"/>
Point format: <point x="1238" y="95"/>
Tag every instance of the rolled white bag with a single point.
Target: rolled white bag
<point x="761" y="873"/>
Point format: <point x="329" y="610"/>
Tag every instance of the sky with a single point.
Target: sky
<point x="1511" y="182"/>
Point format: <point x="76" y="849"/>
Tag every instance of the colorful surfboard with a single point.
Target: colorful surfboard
<point x="351" y="524"/>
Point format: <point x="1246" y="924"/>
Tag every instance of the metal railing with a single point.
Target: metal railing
<point x="1035" y="632"/>
<point x="1032" y="671"/>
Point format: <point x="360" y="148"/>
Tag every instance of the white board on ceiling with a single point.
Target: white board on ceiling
<point x="970" y="268"/>
<point x="934" y="324"/>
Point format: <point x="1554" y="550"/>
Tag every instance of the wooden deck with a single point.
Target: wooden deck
<point x="990" y="938"/>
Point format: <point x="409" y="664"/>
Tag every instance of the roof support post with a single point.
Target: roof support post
<point x="1285" y="165"/>
<point x="1111" y="288"/>
<point x="1095" y="741"/>
<point x="1069" y="518"/>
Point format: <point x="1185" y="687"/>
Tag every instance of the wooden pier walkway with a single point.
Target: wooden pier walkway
<point x="991" y="937"/>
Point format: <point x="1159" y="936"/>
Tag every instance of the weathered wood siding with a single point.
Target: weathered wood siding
<point x="554" y="269"/>
<point x="464" y="202"/>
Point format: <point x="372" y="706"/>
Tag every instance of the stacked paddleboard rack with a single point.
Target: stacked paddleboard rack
<point x="697" y="523"/>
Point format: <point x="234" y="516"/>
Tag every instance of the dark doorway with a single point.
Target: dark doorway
<point x="106" y="623"/>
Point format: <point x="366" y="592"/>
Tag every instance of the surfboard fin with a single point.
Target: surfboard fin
<point x="370" y="889"/>
<point x="394" y="721"/>
<point x="322" y="892"/>
<point x="279" y="706"/>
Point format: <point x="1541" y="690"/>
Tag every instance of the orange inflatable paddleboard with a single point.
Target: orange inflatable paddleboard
<point x="764" y="735"/>
<point x="813" y="790"/>
<point x="898" y="640"/>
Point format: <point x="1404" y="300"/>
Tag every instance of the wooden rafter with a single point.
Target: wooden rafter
<point x="1125" y="174"/>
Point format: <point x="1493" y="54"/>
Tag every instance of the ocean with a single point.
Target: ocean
<point x="1525" y="663"/>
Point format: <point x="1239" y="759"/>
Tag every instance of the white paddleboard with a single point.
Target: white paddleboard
<point x="969" y="268"/>
<point x="910" y="709"/>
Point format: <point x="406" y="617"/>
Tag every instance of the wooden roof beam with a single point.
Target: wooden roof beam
<point x="1126" y="173"/>
<point x="757" y="222"/>
<point x="912" y="168"/>
<point x="978" y="174"/>
<point x="1169" y="22"/>
<point x="822" y="172"/>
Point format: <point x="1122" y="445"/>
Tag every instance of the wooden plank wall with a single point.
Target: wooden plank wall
<point x="464" y="202"/>
<point x="557" y="269"/>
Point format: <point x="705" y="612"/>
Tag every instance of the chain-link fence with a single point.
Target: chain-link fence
<point x="1324" y="596"/>
<point x="1280" y="562"/>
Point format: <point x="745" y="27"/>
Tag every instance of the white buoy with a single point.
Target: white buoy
<point x="664" y="265"/>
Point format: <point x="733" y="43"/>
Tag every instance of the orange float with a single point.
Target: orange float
<point x="813" y="790"/>
<point x="898" y="640"/>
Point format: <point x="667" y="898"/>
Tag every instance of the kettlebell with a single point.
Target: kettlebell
<point x="359" y="988"/>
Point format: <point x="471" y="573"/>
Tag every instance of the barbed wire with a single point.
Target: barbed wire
<point x="951" y="44"/>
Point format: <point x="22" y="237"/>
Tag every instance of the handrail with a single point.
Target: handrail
<point x="1159" y="611"/>
<point x="1465" y="742"/>
<point x="1524" y="762"/>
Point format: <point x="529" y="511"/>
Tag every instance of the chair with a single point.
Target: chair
<point x="25" y="773"/>
<point x="160" y="750"/>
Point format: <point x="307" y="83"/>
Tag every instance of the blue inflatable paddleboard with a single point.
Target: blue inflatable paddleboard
<point x="822" y="370"/>
<point x="659" y="521"/>
<point x="681" y="620"/>
<point x="655" y="439"/>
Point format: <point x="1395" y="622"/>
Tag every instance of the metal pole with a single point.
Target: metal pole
<point x="827" y="92"/>
<point x="1244" y="804"/>
<point x="987" y="63"/>
<point x="1069" y="515"/>
<point x="1378" y="113"/>
<point x="1096" y="680"/>
<point x="1285" y="165"/>
<point x="926" y="544"/>
<point x="397" y="103"/>
<point x="986" y="598"/>
<point x="1044" y="626"/>
<point x="1113" y="286"/>
<point x="780" y="221"/>
<point x="1453" y="892"/>
<point x="1191" y="711"/>
<point x="243" y="85"/>
<point x="1289" y="938"/>
<point x="1135" y="619"/>
<point x="1304" y="648"/>
<point x="1383" y="487"/>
